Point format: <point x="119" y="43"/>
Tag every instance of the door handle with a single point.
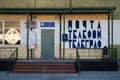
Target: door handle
<point x="53" y="44"/>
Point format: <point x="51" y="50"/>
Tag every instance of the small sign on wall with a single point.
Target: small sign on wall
<point x="47" y="24"/>
<point x="32" y="24"/>
<point x="32" y="40"/>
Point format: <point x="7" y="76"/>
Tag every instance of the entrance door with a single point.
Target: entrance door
<point x="47" y="43"/>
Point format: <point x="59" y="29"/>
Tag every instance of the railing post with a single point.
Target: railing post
<point x="16" y="53"/>
<point x="8" y="69"/>
<point x="78" y="61"/>
<point x="77" y="54"/>
<point x="115" y="54"/>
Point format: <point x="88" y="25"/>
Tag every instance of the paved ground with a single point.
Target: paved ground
<point x="85" y="75"/>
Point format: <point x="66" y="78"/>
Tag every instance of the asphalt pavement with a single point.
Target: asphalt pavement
<point x="85" y="75"/>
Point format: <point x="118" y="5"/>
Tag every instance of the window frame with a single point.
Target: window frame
<point x="3" y="31"/>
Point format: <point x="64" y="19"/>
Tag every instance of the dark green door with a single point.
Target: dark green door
<point x="47" y="43"/>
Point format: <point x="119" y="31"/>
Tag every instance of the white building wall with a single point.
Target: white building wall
<point x="70" y="53"/>
<point x="116" y="32"/>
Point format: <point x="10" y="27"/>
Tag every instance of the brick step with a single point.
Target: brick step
<point x="27" y="71"/>
<point x="39" y="65"/>
<point x="45" y="63"/>
<point x="44" y="67"/>
<point x="44" y="71"/>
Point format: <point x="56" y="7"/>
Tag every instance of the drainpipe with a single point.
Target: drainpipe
<point x="60" y="39"/>
<point x="31" y="30"/>
<point x="64" y="33"/>
<point x="109" y="34"/>
<point x="112" y="32"/>
<point x="27" y="35"/>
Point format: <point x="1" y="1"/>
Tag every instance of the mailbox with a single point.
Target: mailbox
<point x="64" y="37"/>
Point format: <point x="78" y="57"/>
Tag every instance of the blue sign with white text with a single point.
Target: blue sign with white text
<point x="47" y="24"/>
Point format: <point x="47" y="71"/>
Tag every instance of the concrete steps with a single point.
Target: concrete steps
<point x="44" y="67"/>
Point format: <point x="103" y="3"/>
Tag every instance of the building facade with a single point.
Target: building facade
<point x="55" y="28"/>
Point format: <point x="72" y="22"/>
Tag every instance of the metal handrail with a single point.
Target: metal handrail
<point x="12" y="60"/>
<point x="78" y="62"/>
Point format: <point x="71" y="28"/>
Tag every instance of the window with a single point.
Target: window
<point x="10" y="32"/>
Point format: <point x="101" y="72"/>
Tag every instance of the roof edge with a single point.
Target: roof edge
<point x="58" y="10"/>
